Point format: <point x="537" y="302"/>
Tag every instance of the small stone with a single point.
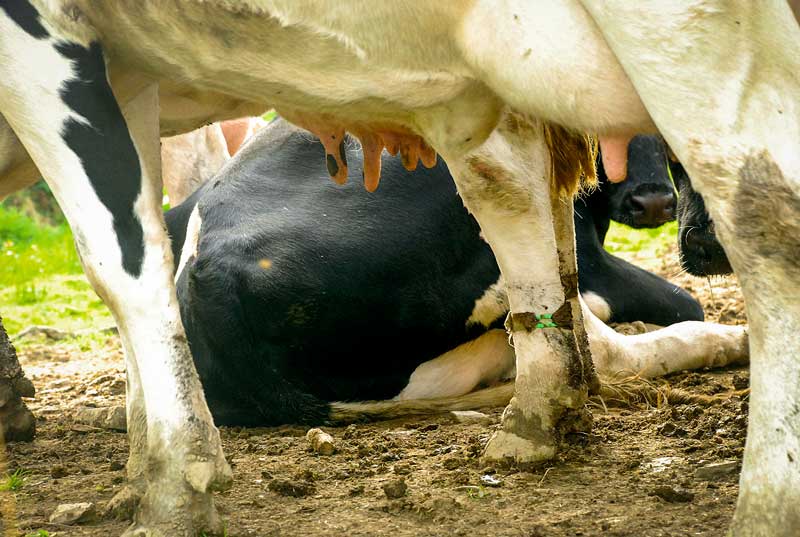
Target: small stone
<point x="295" y="489"/>
<point x="717" y="470"/>
<point x="672" y="494"/>
<point x="306" y="475"/>
<point x="491" y="481"/>
<point x="357" y="490"/>
<point x="321" y="442"/>
<point x="73" y="513"/>
<point x="395" y="489"/>
<point x="112" y="418"/>
<point x="117" y="419"/>
<point x="471" y="416"/>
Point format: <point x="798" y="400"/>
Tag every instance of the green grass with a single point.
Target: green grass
<point x="14" y="481"/>
<point x="29" y="250"/>
<point x="652" y="242"/>
<point x="41" y="280"/>
<point x="39" y="533"/>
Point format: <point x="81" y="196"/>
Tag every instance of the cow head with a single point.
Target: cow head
<point x="646" y="198"/>
<point x="701" y="253"/>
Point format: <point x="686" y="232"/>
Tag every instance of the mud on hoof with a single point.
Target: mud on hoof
<point x="177" y="499"/>
<point x="174" y="508"/>
<point x="522" y="441"/>
<point x="125" y="502"/>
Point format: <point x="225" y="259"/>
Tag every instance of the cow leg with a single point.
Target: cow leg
<point x="486" y="359"/>
<point x="678" y="347"/>
<point x="104" y="170"/>
<point x="505" y="183"/>
<point x="739" y="144"/>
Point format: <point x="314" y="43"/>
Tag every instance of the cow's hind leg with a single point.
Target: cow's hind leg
<point x="104" y="171"/>
<point x="738" y="139"/>
<point x="505" y="183"/>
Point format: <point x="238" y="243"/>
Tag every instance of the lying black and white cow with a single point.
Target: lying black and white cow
<point x="297" y="292"/>
<point x="499" y="89"/>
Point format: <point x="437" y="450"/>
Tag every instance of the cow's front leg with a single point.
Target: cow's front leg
<point x="105" y="173"/>
<point x="506" y="185"/>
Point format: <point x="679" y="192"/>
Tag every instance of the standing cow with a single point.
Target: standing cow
<point x="499" y="90"/>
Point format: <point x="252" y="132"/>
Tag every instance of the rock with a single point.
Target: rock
<point x="717" y="470"/>
<point x="395" y="489"/>
<point x="47" y="331"/>
<point x="112" y="418"/>
<point x="471" y="416"/>
<point x="672" y="494"/>
<point x="115" y="466"/>
<point x="73" y="513"/>
<point x="321" y="442"/>
<point x="295" y="489"/>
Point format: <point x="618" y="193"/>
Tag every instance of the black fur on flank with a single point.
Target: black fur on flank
<point x="305" y="292"/>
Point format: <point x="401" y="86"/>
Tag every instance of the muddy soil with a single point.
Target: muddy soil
<point x="641" y="472"/>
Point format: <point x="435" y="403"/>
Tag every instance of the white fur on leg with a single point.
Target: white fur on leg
<point x="678" y="347"/>
<point x="597" y="305"/>
<point x="506" y="185"/>
<point x="180" y="440"/>
<point x="484" y="360"/>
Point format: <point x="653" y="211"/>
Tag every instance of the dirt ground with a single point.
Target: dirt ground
<point x="641" y="472"/>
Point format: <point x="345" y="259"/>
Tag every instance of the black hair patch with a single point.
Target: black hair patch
<point x="104" y="147"/>
<point x="25" y="16"/>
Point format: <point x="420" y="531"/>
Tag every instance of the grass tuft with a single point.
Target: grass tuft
<point x="14" y="481"/>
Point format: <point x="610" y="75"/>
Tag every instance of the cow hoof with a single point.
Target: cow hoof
<point x="172" y="508"/>
<point x="507" y="447"/>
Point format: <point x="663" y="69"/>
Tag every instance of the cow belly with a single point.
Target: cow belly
<point x="355" y="74"/>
